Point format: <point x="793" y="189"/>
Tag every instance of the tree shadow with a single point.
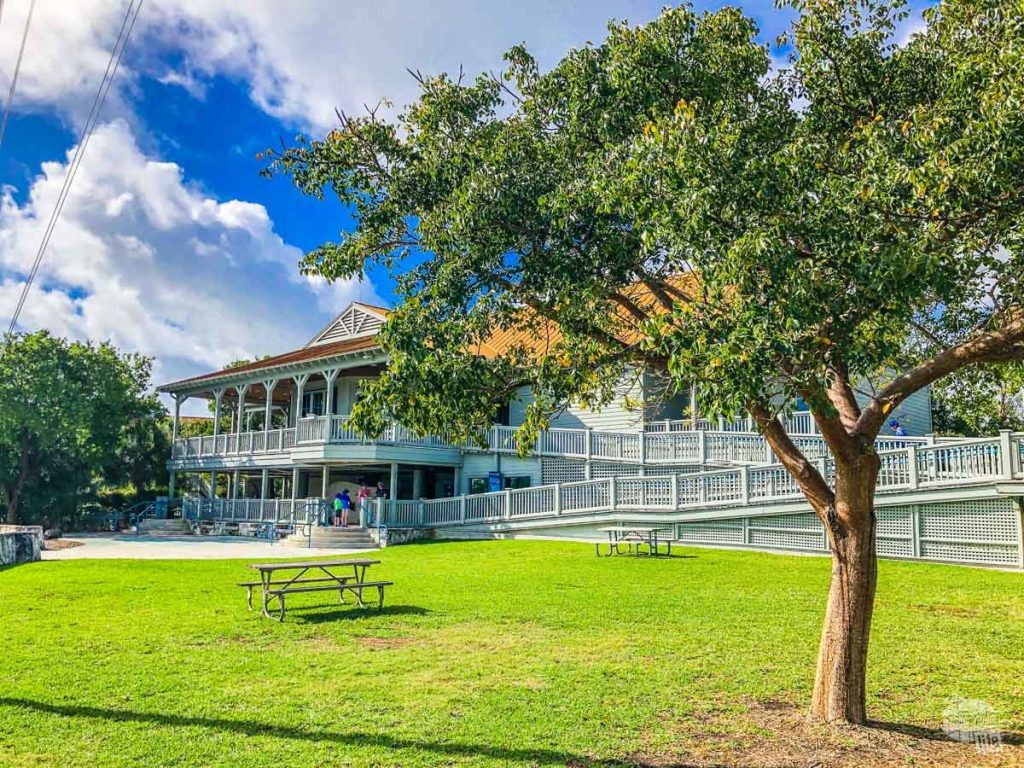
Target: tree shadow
<point x="534" y="756"/>
<point x="1013" y="738"/>
<point x="312" y="614"/>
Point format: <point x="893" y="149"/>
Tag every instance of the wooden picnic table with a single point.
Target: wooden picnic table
<point x="633" y="536"/>
<point x="326" y="577"/>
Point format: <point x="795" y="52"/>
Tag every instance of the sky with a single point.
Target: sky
<point x="170" y="243"/>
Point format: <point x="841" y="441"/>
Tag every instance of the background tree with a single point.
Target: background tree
<point x="64" y="412"/>
<point x="143" y="450"/>
<point x="665" y="201"/>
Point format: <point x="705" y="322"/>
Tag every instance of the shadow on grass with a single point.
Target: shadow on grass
<point x="312" y="614"/>
<point x="936" y="734"/>
<point x="538" y="756"/>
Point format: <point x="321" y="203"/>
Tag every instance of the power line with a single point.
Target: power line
<point x="17" y="69"/>
<point x="131" y="14"/>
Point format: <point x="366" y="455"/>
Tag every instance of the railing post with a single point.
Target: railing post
<point x="1020" y="533"/>
<point x="508" y="504"/>
<point x="912" y="466"/>
<point x="1006" y="453"/>
<point x="702" y="446"/>
<point x="643" y="448"/>
<point x="673" y="492"/>
<point x="588" y="443"/>
<point x="558" y="500"/>
<point x="745" y="485"/>
<point x="462" y="508"/>
<point x="915" y="530"/>
<point x="612" y="500"/>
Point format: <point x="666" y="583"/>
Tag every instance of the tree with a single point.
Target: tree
<point x="980" y="401"/>
<point x="143" y="449"/>
<point x="665" y="201"/>
<point x="64" y="410"/>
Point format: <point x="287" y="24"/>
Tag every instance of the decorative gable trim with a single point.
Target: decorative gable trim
<point x="355" y="321"/>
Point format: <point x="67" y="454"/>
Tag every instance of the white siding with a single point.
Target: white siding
<point x="613" y="417"/>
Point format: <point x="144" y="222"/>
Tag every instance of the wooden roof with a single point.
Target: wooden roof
<point x="537" y="335"/>
<point x="306" y="354"/>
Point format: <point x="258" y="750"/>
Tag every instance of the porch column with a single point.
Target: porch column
<point x="265" y="483"/>
<point x="326" y="480"/>
<point x="417" y="483"/>
<point x="330" y="376"/>
<point x="268" y="388"/>
<point x="300" y="384"/>
<point x="170" y="485"/>
<point x="235" y="485"/>
<point x="693" y="405"/>
<point x="213" y="484"/>
<point x="218" y="395"/>
<point x="295" y="483"/>
<point x="393" y="489"/>
<point x="241" y="389"/>
<point x="457" y="475"/>
<point x="176" y="424"/>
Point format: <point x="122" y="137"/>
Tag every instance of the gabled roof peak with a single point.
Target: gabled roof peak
<point x="357" y="320"/>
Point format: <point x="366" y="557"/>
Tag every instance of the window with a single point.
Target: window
<point x="517" y="481"/>
<point x="313" y="403"/>
<point x="503" y="416"/>
<point x="478" y="485"/>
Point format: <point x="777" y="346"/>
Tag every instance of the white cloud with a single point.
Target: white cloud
<point x="298" y="61"/>
<point x="142" y="259"/>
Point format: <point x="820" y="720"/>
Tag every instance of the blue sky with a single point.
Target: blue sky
<point x="171" y="244"/>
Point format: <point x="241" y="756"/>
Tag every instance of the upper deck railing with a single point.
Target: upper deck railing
<point x="666" y="447"/>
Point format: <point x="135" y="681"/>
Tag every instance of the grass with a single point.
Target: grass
<point x="491" y="653"/>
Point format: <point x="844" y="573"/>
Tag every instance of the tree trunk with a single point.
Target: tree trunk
<point x="840" y="681"/>
<point x="12" y="510"/>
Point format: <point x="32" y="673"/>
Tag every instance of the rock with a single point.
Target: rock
<point x="52" y="533"/>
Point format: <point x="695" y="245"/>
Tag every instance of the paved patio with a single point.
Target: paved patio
<point x="112" y="546"/>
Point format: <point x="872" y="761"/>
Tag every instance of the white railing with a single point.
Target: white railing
<point x="280" y="511"/>
<point x="666" y="447"/>
<point x="274" y="441"/>
<point x="911" y="467"/>
<point x="799" y="423"/>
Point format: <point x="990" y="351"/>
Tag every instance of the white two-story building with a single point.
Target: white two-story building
<point x="289" y="439"/>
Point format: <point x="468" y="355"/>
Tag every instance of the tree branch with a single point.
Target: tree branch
<point x="999" y="346"/>
<point x="807" y="476"/>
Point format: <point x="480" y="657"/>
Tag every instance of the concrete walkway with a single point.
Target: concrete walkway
<point x="129" y="546"/>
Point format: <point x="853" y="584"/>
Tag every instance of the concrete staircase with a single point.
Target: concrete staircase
<point x="153" y="526"/>
<point x="332" y="538"/>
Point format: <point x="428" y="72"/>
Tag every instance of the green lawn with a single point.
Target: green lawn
<point x="492" y="653"/>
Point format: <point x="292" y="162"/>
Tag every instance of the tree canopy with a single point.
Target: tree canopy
<point x="71" y="415"/>
<point x="845" y="229"/>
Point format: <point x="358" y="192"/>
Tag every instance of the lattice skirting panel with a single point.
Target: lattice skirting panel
<point x="984" y="532"/>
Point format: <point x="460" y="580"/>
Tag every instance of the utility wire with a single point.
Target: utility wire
<point x="17" y="69"/>
<point x="131" y="14"/>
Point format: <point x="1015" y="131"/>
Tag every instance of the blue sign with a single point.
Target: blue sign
<point x="494" y="481"/>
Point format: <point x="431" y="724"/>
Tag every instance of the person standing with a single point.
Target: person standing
<point x="336" y="519"/>
<point x="346" y="507"/>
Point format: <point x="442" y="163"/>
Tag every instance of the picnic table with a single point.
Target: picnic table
<point x="633" y="537"/>
<point x="348" y="575"/>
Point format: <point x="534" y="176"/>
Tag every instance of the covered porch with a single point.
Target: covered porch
<point x="301" y="495"/>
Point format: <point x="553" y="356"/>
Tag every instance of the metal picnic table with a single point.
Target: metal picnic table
<point x="325" y="578"/>
<point x="632" y="536"/>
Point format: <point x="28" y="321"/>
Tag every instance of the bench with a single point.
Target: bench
<point x="251" y="585"/>
<point x="356" y="588"/>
